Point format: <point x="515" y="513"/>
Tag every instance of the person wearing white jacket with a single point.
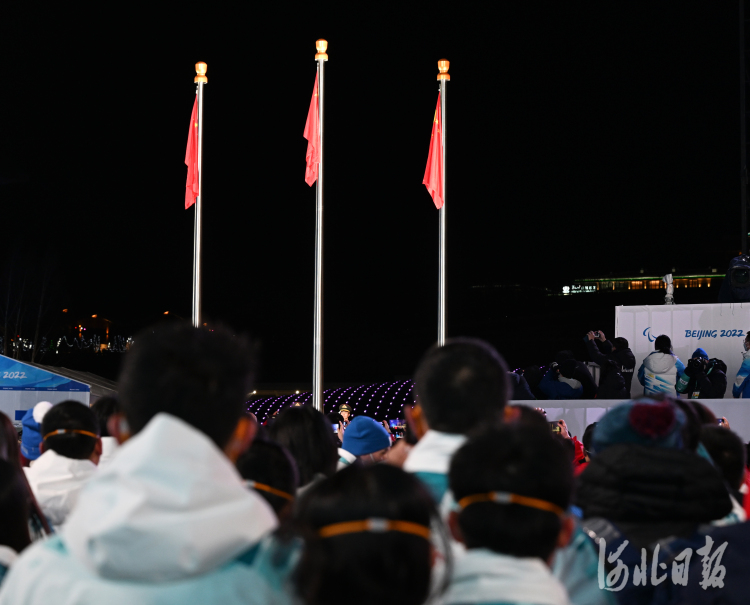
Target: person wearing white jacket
<point x="459" y="387"/>
<point x="661" y="370"/>
<point x="170" y="519"/>
<point x="70" y="451"/>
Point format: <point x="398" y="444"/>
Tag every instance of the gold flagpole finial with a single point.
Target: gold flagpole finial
<point x="443" y="66"/>
<point x="322" y="46"/>
<point x="200" y="69"/>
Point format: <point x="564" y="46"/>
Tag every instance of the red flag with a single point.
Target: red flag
<point x="191" y="159"/>
<point x="312" y="134"/>
<point x="433" y="175"/>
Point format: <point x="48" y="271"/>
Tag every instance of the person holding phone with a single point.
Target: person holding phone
<point x="366" y="441"/>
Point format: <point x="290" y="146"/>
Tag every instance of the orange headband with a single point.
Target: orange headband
<point x="375" y="526"/>
<point x="63" y="431"/>
<point x="508" y="498"/>
<point x="267" y="488"/>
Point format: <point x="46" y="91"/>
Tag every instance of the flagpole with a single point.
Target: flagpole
<point x="200" y="80"/>
<point x="317" y="388"/>
<point x="443" y="78"/>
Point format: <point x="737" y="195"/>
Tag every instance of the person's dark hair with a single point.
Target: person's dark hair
<point x="526" y="416"/>
<point x="378" y="567"/>
<point x="72" y="416"/>
<point x="620" y="343"/>
<point x="727" y="451"/>
<point x="199" y="375"/>
<point x="271" y="464"/>
<point x="587" y="436"/>
<point x="705" y="415"/>
<point x="14" y="507"/>
<point x="307" y="434"/>
<point x="663" y="344"/>
<point x="461" y="385"/>
<point x="691" y="432"/>
<point x="103" y="408"/>
<point x="9" y="441"/>
<point x="522" y="460"/>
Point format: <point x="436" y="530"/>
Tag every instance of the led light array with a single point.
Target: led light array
<point x="382" y="401"/>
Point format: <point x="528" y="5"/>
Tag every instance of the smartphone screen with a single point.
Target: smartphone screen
<point x="397" y="425"/>
<point x="335" y="428"/>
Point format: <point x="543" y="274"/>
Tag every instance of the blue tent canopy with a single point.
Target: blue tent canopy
<point x="18" y="376"/>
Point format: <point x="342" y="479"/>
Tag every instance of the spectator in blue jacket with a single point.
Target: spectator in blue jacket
<point x="741" y="388"/>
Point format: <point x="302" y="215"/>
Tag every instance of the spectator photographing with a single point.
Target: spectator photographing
<point x="458" y="387"/>
<point x="513" y="486"/>
<point x="618" y="350"/>
<point x="365" y="440"/>
<point x="367" y="533"/>
<point x="70" y="451"/>
<point x="661" y="370"/>
<point x="703" y="378"/>
<point x="170" y="519"/>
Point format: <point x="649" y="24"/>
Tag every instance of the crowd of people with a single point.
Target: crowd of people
<point x="661" y="372"/>
<point x="174" y="493"/>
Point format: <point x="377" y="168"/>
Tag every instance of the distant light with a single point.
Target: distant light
<point x="65" y="310"/>
<point x="296" y="392"/>
<point x="254" y="392"/>
<point x="93" y="316"/>
<point x="167" y="313"/>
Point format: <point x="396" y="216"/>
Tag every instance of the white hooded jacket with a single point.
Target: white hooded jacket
<point x="169" y="519"/>
<point x="659" y="373"/>
<point x="56" y="482"/>
<point x="484" y="576"/>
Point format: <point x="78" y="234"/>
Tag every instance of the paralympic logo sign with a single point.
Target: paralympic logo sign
<point x="700" y="334"/>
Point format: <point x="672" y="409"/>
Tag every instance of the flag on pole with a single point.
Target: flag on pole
<point x="191" y="159"/>
<point x="312" y="134"/>
<point x="433" y="175"/>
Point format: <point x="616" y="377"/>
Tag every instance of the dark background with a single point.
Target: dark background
<point x="583" y="139"/>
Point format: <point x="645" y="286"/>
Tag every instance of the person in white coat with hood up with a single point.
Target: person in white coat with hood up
<point x="661" y="370"/>
<point x="170" y="519"/>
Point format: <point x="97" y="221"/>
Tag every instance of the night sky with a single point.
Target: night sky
<point x="583" y="138"/>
